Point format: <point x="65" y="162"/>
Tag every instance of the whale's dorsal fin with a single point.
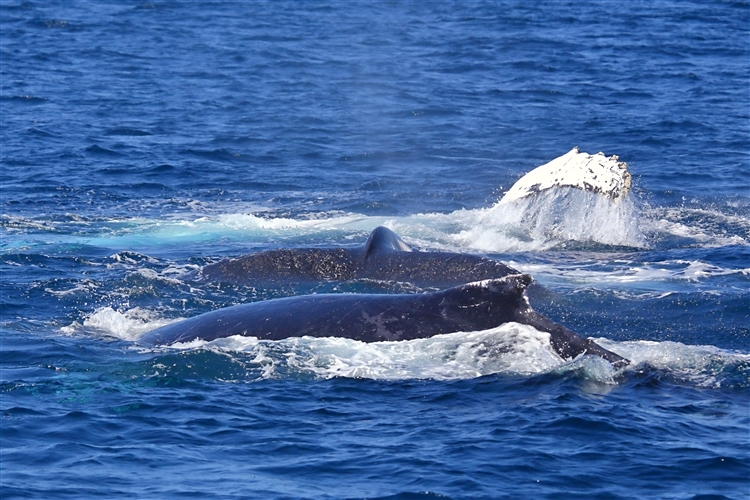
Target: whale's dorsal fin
<point x="383" y="239"/>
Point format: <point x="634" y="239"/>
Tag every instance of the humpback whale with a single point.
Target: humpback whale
<point x="384" y="257"/>
<point x="485" y="293"/>
<point x="383" y="317"/>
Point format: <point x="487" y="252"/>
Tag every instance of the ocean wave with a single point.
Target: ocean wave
<point x="703" y="227"/>
<point x="629" y="272"/>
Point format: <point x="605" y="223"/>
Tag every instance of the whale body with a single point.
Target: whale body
<point x="383" y="317"/>
<point x="384" y="257"/>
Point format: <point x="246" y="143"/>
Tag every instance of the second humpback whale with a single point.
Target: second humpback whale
<point x="383" y="317"/>
<point x="385" y="256"/>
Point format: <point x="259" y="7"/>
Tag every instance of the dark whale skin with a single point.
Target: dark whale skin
<point x="383" y="317"/>
<point x="384" y="257"/>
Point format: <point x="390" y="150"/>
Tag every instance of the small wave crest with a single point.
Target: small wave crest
<point x="559" y="218"/>
<point x="629" y="273"/>
<point x="555" y="216"/>
<point x="563" y="218"/>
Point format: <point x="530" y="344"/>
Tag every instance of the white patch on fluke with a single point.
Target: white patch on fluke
<point x="595" y="173"/>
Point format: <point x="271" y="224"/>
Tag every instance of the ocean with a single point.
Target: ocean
<point x="141" y="141"/>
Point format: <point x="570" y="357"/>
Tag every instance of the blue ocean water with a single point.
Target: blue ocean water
<point x="141" y="141"/>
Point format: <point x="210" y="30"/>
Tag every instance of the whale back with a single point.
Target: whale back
<point x="383" y="317"/>
<point x="385" y="257"/>
<point x="365" y="317"/>
<point x="486" y="304"/>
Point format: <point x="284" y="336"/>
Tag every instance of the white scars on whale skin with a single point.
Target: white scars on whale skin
<point x="596" y="173"/>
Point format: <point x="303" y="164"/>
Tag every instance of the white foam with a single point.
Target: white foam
<point x="512" y="349"/>
<point x="630" y="273"/>
<point x="128" y="324"/>
<point x="129" y="258"/>
<point x="698" y="364"/>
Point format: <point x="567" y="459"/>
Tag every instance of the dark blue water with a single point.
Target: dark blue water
<point x="141" y="141"/>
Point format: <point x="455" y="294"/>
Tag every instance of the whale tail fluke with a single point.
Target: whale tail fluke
<point x="595" y="173"/>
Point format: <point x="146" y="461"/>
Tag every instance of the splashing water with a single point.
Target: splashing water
<point x="555" y="218"/>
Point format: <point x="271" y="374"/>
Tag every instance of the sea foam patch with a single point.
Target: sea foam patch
<point x="128" y="324"/>
<point x="702" y="365"/>
<point x="511" y="349"/>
